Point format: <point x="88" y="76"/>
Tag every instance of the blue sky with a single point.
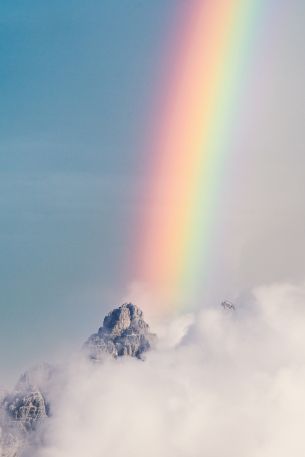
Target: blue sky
<point x="77" y="80"/>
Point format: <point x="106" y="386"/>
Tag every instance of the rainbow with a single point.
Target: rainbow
<point x="208" y="56"/>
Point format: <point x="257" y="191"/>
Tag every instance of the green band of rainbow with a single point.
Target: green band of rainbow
<point x="192" y="142"/>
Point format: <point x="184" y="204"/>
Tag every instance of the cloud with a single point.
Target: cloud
<point x="220" y="383"/>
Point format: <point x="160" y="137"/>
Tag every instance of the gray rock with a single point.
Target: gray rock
<point x="25" y="410"/>
<point x="124" y="333"/>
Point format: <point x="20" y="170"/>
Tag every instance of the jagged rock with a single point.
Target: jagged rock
<point x="27" y="404"/>
<point x="26" y="409"/>
<point x="23" y="410"/>
<point x="124" y="332"/>
<point x="21" y="414"/>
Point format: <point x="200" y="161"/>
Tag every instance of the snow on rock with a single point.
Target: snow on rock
<point x="124" y="333"/>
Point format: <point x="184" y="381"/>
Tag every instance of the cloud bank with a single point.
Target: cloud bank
<point x="220" y="384"/>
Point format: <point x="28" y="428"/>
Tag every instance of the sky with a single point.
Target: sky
<point x="77" y="80"/>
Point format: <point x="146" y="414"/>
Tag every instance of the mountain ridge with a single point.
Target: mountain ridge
<point x="124" y="333"/>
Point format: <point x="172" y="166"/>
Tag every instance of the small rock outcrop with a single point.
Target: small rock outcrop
<point x="21" y="413"/>
<point x="22" y="410"/>
<point x="26" y="409"/>
<point x="124" y="333"/>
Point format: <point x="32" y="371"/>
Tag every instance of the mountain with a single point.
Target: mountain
<point x="124" y="333"/>
<point x="23" y="409"/>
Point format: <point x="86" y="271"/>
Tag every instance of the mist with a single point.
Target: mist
<point x="219" y="383"/>
<point x="73" y="184"/>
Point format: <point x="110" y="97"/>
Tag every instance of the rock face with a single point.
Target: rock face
<point x="21" y="413"/>
<point x="26" y="409"/>
<point x="124" y="333"/>
<point x="22" y="410"/>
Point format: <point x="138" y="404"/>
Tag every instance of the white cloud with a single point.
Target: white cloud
<point x="222" y="383"/>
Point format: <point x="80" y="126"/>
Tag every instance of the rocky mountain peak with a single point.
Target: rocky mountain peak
<point x="26" y="409"/>
<point x="122" y="319"/>
<point x="124" y="332"/>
